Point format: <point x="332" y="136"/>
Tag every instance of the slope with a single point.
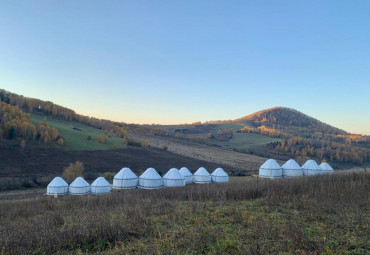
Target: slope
<point x="78" y="136"/>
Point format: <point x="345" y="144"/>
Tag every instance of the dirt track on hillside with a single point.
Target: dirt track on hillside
<point x="232" y="159"/>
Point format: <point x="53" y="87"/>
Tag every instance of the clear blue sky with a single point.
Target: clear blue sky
<point x="185" y="61"/>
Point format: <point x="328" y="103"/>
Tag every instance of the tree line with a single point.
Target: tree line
<point x="333" y="147"/>
<point x="14" y="123"/>
<point x="111" y="128"/>
<point x="322" y="150"/>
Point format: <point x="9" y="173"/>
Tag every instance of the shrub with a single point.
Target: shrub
<point x="60" y="141"/>
<point x="109" y="176"/>
<point x="144" y="143"/>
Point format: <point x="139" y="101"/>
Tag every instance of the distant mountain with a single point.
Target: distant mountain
<point x="283" y="118"/>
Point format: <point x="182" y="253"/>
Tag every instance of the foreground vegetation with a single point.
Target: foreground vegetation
<point x="313" y="215"/>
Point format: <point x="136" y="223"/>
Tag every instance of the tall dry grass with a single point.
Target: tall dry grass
<point x="95" y="223"/>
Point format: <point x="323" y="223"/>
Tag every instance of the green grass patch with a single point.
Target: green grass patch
<point x="76" y="135"/>
<point x="235" y="126"/>
<point x="243" y="141"/>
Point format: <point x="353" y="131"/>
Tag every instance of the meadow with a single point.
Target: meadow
<point x="312" y="215"/>
<point x="76" y="134"/>
<point x="244" y="141"/>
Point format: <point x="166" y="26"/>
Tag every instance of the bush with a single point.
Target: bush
<point x="73" y="171"/>
<point x="144" y="143"/>
<point x="109" y="176"/>
<point x="60" y="141"/>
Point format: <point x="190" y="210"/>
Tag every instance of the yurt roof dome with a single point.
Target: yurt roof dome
<point x="270" y="164"/>
<point x="185" y="171"/>
<point x="100" y="182"/>
<point x="173" y="174"/>
<point x="58" y="182"/>
<point x="79" y="182"/>
<point x="326" y="167"/>
<point x="125" y="173"/>
<point x="201" y="172"/>
<point x="219" y="172"/>
<point x="311" y="165"/>
<point x="150" y="174"/>
<point x="291" y="164"/>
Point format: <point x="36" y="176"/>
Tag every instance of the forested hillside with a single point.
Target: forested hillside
<point x="291" y="121"/>
<point x="14" y="123"/>
<point x="48" y="108"/>
<point x="299" y="136"/>
<point x="305" y="137"/>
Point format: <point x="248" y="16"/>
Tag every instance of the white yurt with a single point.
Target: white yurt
<point x="202" y="176"/>
<point x="270" y="169"/>
<point x="79" y="187"/>
<point x="292" y="169"/>
<point x="219" y="175"/>
<point x="173" y="178"/>
<point x="150" y="179"/>
<point x="186" y="174"/>
<point x="125" y="179"/>
<point x="57" y="186"/>
<point x="326" y="168"/>
<point x="311" y="168"/>
<point x="100" y="186"/>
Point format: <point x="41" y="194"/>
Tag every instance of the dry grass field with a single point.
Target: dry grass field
<point x="312" y="215"/>
<point x="232" y="159"/>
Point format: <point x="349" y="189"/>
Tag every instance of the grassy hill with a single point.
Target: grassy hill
<point x="76" y="134"/>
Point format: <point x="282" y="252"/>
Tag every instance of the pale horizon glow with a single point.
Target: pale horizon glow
<point x="170" y="62"/>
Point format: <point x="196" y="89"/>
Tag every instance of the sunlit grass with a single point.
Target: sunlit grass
<point x="78" y="139"/>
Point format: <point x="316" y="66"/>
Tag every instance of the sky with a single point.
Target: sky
<point x="173" y="62"/>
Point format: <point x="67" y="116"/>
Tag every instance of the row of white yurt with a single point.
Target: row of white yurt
<point x="78" y="187"/>
<point x="126" y="179"/>
<point x="202" y="176"/>
<point x="150" y="179"/>
<point x="271" y="169"/>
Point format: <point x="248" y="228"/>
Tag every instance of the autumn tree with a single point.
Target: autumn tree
<point x="101" y="139"/>
<point x="144" y="143"/>
<point x="73" y="171"/>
